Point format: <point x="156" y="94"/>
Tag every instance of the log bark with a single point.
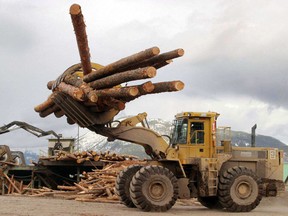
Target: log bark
<point x="168" y="86"/>
<point x="159" y="88"/>
<point x="105" y="104"/>
<point x="81" y="37"/>
<point x="117" y="92"/>
<point x="145" y="88"/>
<point x="122" y="63"/>
<point x="70" y="121"/>
<point x="75" y="92"/>
<point x="59" y="113"/>
<point x="162" y="64"/>
<point x="117" y="79"/>
<point x="73" y="80"/>
<point x="70" y="188"/>
<point x="52" y="109"/>
<point x="48" y="103"/>
<point x="159" y="59"/>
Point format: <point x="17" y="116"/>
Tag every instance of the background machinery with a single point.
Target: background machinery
<point x="17" y="157"/>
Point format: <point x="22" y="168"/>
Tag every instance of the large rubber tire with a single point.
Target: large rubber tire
<point x="154" y="188"/>
<point x="210" y="202"/>
<point x="123" y="184"/>
<point x="239" y="189"/>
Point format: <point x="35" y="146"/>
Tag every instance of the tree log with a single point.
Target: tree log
<point x="81" y="37"/>
<point x="48" y="103"/>
<point x="145" y="88"/>
<point x="159" y="88"/>
<point x="76" y="82"/>
<point x="117" y="92"/>
<point x="70" y="188"/>
<point x="168" y="86"/>
<point x="52" y="109"/>
<point x="162" y="64"/>
<point x="75" y="92"/>
<point x="70" y="121"/>
<point x="159" y="59"/>
<point x="122" y="63"/>
<point x="116" y="79"/>
<point x="105" y="104"/>
<point x="59" y="113"/>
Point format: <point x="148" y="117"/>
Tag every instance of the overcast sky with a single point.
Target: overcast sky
<point x="234" y="63"/>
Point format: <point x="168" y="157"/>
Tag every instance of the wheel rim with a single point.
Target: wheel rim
<point x="157" y="190"/>
<point x="243" y="190"/>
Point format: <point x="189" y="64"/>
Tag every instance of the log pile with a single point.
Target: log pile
<point x="96" y="186"/>
<point x="12" y="185"/>
<point x="100" y="89"/>
<point x="81" y="157"/>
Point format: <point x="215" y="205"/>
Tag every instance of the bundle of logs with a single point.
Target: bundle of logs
<point x="103" y="88"/>
<point x="83" y="156"/>
<point x="95" y="186"/>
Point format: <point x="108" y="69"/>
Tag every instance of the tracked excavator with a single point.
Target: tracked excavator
<point x="190" y="165"/>
<point x="17" y="157"/>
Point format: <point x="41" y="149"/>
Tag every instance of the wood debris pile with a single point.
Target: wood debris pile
<point x="12" y="185"/>
<point x="96" y="186"/>
<point x="100" y="92"/>
<point x="83" y="156"/>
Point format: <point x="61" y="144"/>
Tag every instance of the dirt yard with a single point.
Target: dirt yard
<point x="31" y="206"/>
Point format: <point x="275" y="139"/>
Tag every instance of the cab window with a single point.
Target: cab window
<point x="180" y="131"/>
<point x="197" y="133"/>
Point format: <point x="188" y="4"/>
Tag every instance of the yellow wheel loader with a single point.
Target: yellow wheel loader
<point x="191" y="165"/>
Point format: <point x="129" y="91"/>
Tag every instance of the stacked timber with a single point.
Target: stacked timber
<point x="95" y="186"/>
<point x="81" y="157"/>
<point x="100" y="89"/>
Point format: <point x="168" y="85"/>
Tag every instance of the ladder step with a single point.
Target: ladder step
<point x="213" y="178"/>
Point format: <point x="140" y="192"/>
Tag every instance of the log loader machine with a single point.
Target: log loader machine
<point x="191" y="165"/>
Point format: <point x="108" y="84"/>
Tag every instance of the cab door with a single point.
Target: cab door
<point x="199" y="137"/>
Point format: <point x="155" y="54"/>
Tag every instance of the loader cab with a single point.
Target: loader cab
<point x="194" y="134"/>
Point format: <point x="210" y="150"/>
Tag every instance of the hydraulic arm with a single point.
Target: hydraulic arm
<point x="31" y="129"/>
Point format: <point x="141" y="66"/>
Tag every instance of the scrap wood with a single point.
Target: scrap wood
<point x="95" y="186"/>
<point x="81" y="157"/>
<point x="12" y="183"/>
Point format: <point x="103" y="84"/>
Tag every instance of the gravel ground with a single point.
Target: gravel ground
<point x="32" y="206"/>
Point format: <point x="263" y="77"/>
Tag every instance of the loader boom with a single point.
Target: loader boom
<point x="127" y="130"/>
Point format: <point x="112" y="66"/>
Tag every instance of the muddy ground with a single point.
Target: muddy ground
<point x="32" y="206"/>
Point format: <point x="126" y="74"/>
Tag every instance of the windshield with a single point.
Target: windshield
<point x="179" y="131"/>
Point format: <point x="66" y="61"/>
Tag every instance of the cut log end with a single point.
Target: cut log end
<point x="75" y="9"/>
<point x="133" y="91"/>
<point x="179" y="85"/>
<point x="147" y="87"/>
<point x="151" y="72"/>
<point x="180" y="52"/>
<point x="93" y="97"/>
<point x="155" y="50"/>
